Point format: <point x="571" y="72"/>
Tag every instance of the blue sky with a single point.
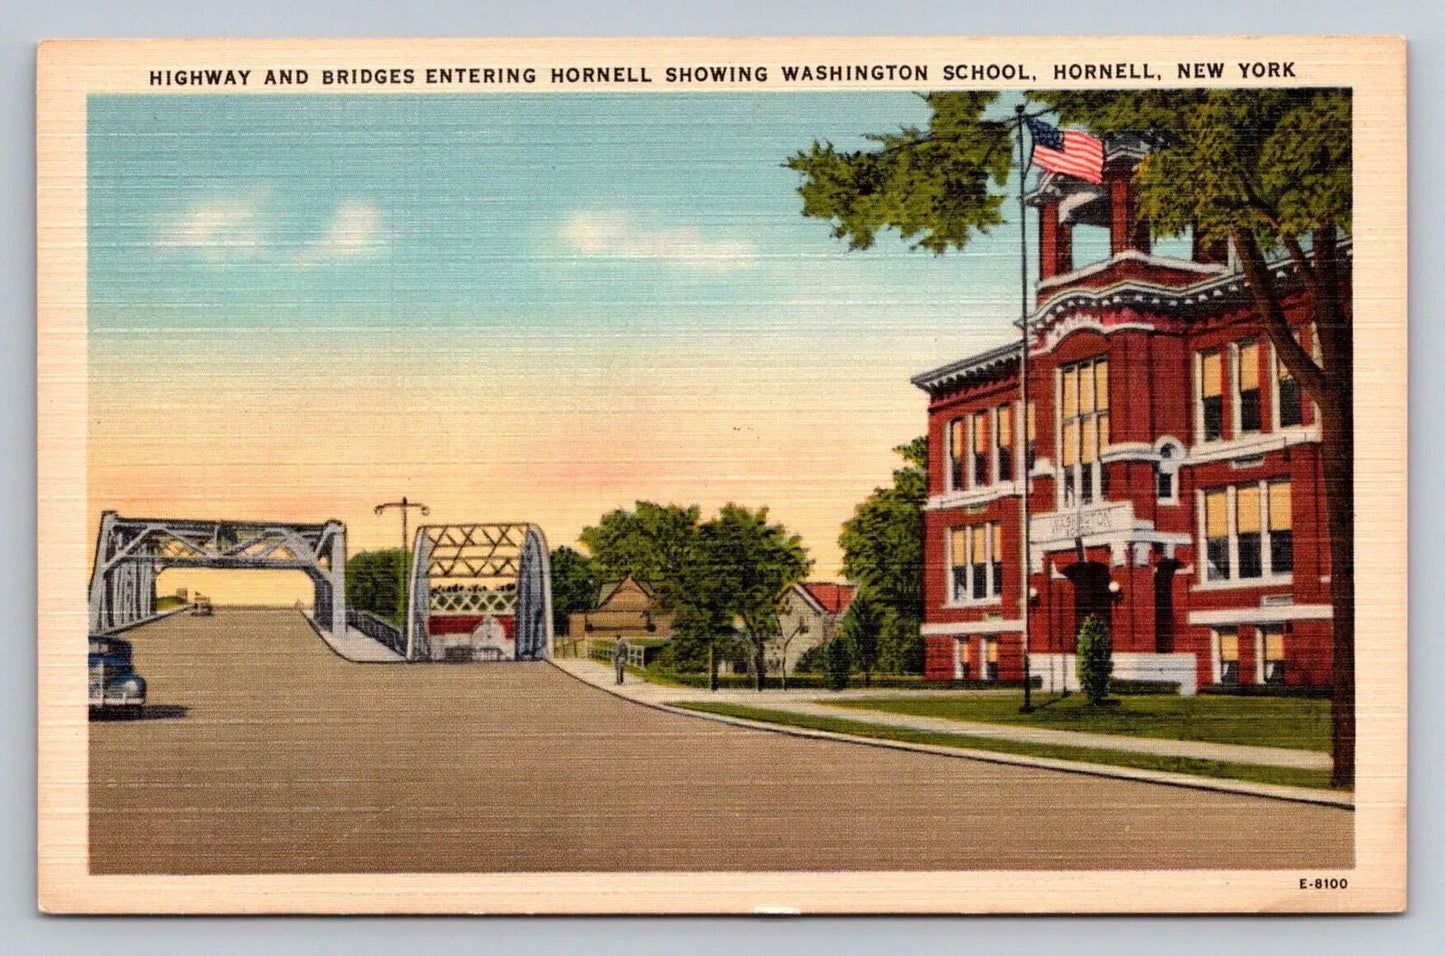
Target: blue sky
<point x="538" y="305"/>
<point x="645" y="213"/>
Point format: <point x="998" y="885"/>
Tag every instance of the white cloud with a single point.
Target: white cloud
<point x="214" y="228"/>
<point x="236" y="228"/>
<point x="355" y="230"/>
<point x="616" y="235"/>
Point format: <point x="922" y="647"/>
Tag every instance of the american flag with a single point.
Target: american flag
<point x="1067" y="151"/>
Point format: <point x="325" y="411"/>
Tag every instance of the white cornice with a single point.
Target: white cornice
<point x="991" y="626"/>
<point x="1262" y="615"/>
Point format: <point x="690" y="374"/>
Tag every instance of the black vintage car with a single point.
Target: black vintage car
<point x="115" y="687"/>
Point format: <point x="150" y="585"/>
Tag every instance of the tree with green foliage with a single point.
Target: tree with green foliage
<point x="1095" y="659"/>
<point x="838" y="663"/>
<point x="374" y="583"/>
<point x="1265" y="169"/>
<point x="737" y="571"/>
<point x="861" y="627"/>
<point x="574" y="586"/>
<point x="900" y="645"/>
<point x="651" y="543"/>
<point x="883" y="551"/>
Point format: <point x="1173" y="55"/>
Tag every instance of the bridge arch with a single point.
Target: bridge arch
<point x="131" y="552"/>
<point x="468" y="577"/>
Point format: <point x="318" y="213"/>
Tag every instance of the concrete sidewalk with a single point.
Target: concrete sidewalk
<point x="804" y="702"/>
<point x="354" y="645"/>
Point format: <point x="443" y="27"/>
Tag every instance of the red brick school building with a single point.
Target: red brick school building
<point x="1176" y="477"/>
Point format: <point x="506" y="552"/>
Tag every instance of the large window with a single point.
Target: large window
<point x="980" y="449"/>
<point x="1247" y="393"/>
<point x="1084" y="432"/>
<point x="990" y="658"/>
<point x="1211" y="396"/>
<point x="975" y="562"/>
<point x="1248" y="531"/>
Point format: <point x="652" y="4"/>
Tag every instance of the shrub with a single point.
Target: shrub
<point x="1096" y="659"/>
<point x="839" y="663"/>
<point x="813" y="660"/>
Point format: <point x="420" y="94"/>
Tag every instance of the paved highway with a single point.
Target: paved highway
<point x="264" y="752"/>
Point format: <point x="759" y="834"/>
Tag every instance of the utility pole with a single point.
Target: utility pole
<point x="404" y="507"/>
<point x="1024" y="394"/>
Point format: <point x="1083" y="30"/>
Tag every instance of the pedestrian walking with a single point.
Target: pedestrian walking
<point x="619" y="658"/>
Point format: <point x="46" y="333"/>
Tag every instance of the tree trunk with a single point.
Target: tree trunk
<point x="1331" y="385"/>
<point x="758" y="663"/>
<point x="1337" y="447"/>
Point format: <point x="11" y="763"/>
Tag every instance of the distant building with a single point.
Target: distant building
<point x="809" y="615"/>
<point x="627" y="609"/>
<point x="1176" y="482"/>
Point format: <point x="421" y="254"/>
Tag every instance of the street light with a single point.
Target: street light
<point x="404" y="506"/>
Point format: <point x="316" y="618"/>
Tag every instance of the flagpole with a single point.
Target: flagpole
<point x="1024" y="399"/>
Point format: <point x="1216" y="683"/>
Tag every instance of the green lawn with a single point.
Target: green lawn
<point x="1286" y="776"/>
<point x="1294" y="722"/>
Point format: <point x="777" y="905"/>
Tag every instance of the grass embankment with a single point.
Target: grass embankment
<point x="1292" y="722"/>
<point x="1286" y="776"/>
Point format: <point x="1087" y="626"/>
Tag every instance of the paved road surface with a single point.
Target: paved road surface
<point x="265" y="752"/>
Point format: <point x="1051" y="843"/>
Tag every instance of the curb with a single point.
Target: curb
<point x="1161" y="777"/>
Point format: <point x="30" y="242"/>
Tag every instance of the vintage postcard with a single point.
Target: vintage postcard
<point x="932" y="475"/>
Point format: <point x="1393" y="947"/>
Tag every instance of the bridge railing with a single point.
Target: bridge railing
<point x="378" y="629"/>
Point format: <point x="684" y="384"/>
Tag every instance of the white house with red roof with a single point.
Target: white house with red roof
<point x="808" y="615"/>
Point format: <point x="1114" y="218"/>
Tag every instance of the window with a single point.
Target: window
<point x="1164" y="484"/>
<point x="1166" y="475"/>
<point x="1216" y="535"/>
<point x="990" y="658"/>
<point x="981" y="436"/>
<point x="975" y="562"/>
<point x="1227" y="663"/>
<point x="979" y="561"/>
<point x="958" y="552"/>
<point x="1084" y="414"/>
<point x="1281" y="528"/>
<point x="1247" y="394"/>
<point x="1211" y="392"/>
<point x="996" y="584"/>
<point x="1251" y="559"/>
<point x="1289" y="399"/>
<point x="964" y="655"/>
<point x="955" y="454"/>
<point x="1271" y="655"/>
<point x="1005" y="417"/>
<point x="1248" y="532"/>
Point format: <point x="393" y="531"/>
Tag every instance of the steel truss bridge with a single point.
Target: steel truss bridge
<point x="459" y="570"/>
<point x="131" y="552"/>
<point x="480" y="569"/>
